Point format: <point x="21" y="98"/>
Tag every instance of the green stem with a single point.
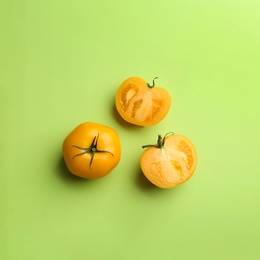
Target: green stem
<point x="160" y="142"/>
<point x="151" y="86"/>
<point x="92" y="150"/>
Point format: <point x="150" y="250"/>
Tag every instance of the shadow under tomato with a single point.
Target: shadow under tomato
<point x="66" y="175"/>
<point x="143" y="183"/>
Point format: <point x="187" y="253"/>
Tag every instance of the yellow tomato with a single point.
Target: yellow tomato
<point x="170" y="162"/>
<point x="91" y="150"/>
<point x="140" y="103"/>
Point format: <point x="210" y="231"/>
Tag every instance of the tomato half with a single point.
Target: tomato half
<point x="91" y="150"/>
<point x="170" y="162"/>
<point x="140" y="103"/>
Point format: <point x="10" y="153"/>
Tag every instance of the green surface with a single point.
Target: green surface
<point x="60" y="65"/>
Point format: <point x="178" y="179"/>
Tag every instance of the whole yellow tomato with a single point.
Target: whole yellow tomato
<point x="91" y="150"/>
<point x="170" y="162"/>
<point x="140" y="103"/>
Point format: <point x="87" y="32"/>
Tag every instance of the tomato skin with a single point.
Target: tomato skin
<point x="140" y="104"/>
<point x="170" y="165"/>
<point x="104" y="160"/>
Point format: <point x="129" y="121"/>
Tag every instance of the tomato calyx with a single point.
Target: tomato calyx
<point x="160" y="141"/>
<point x="92" y="150"/>
<point x="151" y="86"/>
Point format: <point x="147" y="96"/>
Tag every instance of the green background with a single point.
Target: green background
<point x="60" y="65"/>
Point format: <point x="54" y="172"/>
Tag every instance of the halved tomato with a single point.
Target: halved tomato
<point x="91" y="150"/>
<point x="140" y="103"/>
<point x="170" y="162"/>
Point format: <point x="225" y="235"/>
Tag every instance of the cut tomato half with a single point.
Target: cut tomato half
<point x="170" y="162"/>
<point x="140" y="103"/>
